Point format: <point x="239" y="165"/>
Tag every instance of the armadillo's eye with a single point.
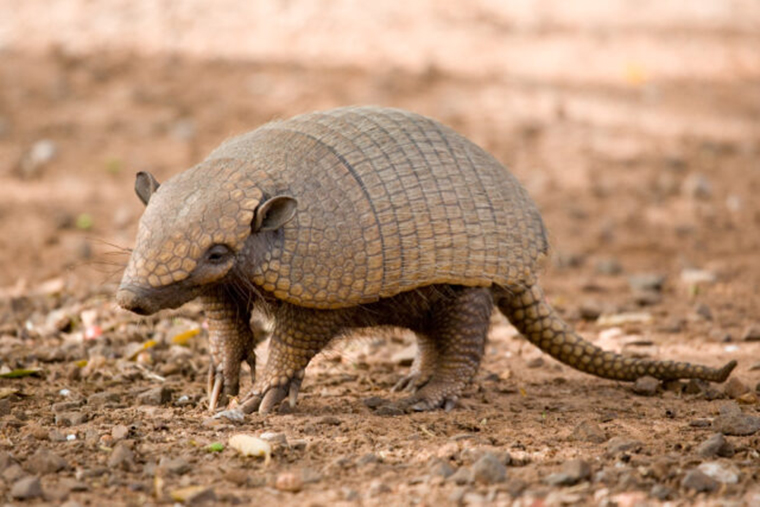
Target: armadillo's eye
<point x="218" y="254"/>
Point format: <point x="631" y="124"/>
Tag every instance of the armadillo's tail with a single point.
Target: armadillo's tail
<point x="527" y="309"/>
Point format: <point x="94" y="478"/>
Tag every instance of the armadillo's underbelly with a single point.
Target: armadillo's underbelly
<point x="388" y="201"/>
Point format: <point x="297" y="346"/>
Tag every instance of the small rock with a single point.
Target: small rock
<point x="696" y="386"/>
<point x="647" y="297"/>
<point x="716" y="445"/>
<point x="310" y="476"/>
<point x="589" y="310"/>
<point x="691" y="276"/>
<point x="41" y="153"/>
<point x="609" y="266"/>
<point x="646" y="282"/>
<point x="122" y="458"/>
<point x="737" y="424"/>
<point x="617" y="445"/>
<point x="289" y="481"/>
<point x="65" y="406"/>
<point x="697" y="186"/>
<point x="71" y="503"/>
<point x="45" y="462"/>
<point x="26" y="488"/>
<point x="377" y="488"/>
<point x="752" y="333"/>
<point x="720" y="472"/>
<point x="440" y="468"/>
<point x="703" y="311"/>
<point x="661" y="492"/>
<point x="70" y="418"/>
<point x="177" y="466"/>
<point x="6" y="460"/>
<point x="194" y="495"/>
<point x="103" y="399"/>
<point x="330" y="421"/>
<point x="373" y="402"/>
<point x="274" y="438"/>
<point x="699" y="482"/>
<point x="155" y="397"/>
<point x="5" y="407"/>
<point x="13" y="472"/>
<point x="577" y="469"/>
<point x="536" y="362"/>
<point x="588" y="431"/>
<point x="735" y="388"/>
<point x="368" y="459"/>
<point x="489" y="470"/>
<point x="462" y="476"/>
<point x="646" y="386"/>
<point x="389" y="410"/>
<point x="119" y="432"/>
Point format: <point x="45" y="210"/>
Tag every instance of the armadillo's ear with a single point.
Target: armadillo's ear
<point x="274" y="213"/>
<point x="145" y="185"/>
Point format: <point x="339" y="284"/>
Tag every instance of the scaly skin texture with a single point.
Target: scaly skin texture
<point x="351" y="218"/>
<point x="527" y="309"/>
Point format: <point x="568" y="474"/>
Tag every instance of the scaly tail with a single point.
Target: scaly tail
<point x="527" y="309"/>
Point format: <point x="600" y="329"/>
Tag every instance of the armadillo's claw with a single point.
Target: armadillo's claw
<point x="272" y="399"/>
<point x="410" y="383"/>
<point x="295" y="387"/>
<point x="214" y="391"/>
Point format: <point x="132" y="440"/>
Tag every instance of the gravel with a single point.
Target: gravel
<point x="45" y="462"/>
<point x="26" y="488"/>
<point x="716" y="445"/>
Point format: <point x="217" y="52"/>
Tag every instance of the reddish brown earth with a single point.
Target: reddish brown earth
<point x="633" y="180"/>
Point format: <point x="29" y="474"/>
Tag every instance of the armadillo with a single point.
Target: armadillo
<point x="355" y="218"/>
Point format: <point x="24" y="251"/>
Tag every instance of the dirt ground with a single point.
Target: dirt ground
<point x="655" y="224"/>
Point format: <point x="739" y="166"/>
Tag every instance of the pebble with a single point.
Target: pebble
<point x="646" y="386"/>
<point x="155" y="397"/>
<point x="646" y="282"/>
<point x="440" y="468"/>
<point x="45" y="462"/>
<point x="752" y="333"/>
<point x="720" y="472"/>
<point x="119" y="432"/>
<point x="13" y="472"/>
<point x="608" y="266"/>
<point x="735" y="388"/>
<point x="704" y="311"/>
<point x="122" y="458"/>
<point x="377" y="488"/>
<point x="536" y="362"/>
<point x="588" y="431"/>
<point x="177" y="466"/>
<point x="6" y="460"/>
<point x="573" y="472"/>
<point x="462" y="476"/>
<point x="716" y="445"/>
<point x="289" y="481"/>
<point x="697" y="186"/>
<point x="103" y="399"/>
<point x="26" y="488"/>
<point x="661" y="492"/>
<point x="70" y="418"/>
<point x="617" y="445"/>
<point x="274" y="438"/>
<point x="489" y="470"/>
<point x="373" y="402"/>
<point x="41" y="153"/>
<point x="691" y="276"/>
<point x="368" y="459"/>
<point x="699" y="482"/>
<point x="590" y="310"/>
<point x="71" y="503"/>
<point x="194" y="495"/>
<point x="647" y="297"/>
<point x="737" y="424"/>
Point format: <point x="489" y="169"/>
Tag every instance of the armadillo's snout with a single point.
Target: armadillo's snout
<point x="129" y="299"/>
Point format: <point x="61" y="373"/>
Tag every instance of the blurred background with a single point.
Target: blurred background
<point x="635" y="125"/>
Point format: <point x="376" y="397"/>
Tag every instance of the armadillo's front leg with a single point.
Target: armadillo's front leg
<point x="299" y="334"/>
<point x="231" y="341"/>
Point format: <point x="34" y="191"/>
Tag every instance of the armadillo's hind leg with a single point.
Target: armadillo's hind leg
<point x="458" y="330"/>
<point x="423" y="367"/>
<point x="529" y="312"/>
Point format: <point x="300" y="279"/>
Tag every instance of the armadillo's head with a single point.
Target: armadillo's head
<point x="192" y="231"/>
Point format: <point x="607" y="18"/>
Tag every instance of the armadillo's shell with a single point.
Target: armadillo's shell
<point x="388" y="201"/>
